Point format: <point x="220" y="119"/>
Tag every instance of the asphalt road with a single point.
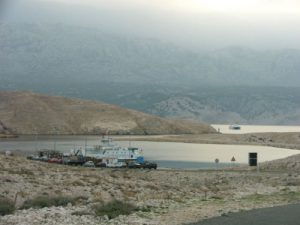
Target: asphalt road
<point x="282" y="215"/>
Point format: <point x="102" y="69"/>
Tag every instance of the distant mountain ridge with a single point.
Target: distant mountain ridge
<point x="30" y="113"/>
<point x="222" y="105"/>
<point x="229" y="85"/>
<point x="41" y="51"/>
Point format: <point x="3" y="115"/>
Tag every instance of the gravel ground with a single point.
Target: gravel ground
<point x="161" y="196"/>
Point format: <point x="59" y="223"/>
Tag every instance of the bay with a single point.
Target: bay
<point x="167" y="154"/>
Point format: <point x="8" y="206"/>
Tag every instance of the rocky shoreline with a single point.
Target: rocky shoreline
<point x="160" y="197"/>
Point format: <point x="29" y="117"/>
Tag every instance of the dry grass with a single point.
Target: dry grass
<point x="48" y="201"/>
<point x="114" y="209"/>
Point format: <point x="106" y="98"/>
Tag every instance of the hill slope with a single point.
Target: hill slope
<point x="291" y="163"/>
<point x="29" y="113"/>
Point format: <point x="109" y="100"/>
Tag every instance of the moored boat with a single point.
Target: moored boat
<point x="112" y="154"/>
<point x="234" y="127"/>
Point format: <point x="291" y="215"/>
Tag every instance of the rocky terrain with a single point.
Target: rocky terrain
<point x="5" y="132"/>
<point x="30" y="113"/>
<point x="291" y="164"/>
<point x="159" y="197"/>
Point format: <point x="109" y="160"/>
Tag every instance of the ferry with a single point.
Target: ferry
<point x="112" y="154"/>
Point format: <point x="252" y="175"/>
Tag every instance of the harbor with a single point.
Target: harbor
<point x="105" y="154"/>
<point x="165" y="154"/>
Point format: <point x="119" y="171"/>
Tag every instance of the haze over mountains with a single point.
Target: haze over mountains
<point x="233" y="84"/>
<point x="65" y="52"/>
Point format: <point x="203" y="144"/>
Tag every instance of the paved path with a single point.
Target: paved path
<point x="282" y="215"/>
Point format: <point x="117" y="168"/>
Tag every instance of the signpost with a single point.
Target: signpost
<point x="252" y="158"/>
<point x="233" y="160"/>
<point x="217" y="162"/>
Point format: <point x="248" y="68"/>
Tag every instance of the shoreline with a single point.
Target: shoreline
<point x="272" y="139"/>
<point x="281" y="140"/>
<point x="8" y="136"/>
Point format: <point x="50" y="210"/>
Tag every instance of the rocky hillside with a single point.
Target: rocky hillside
<point x="243" y="105"/>
<point x="29" y="113"/>
<point x="4" y="129"/>
<point x="291" y="163"/>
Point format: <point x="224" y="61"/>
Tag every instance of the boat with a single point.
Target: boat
<point x="112" y="154"/>
<point x="234" y="127"/>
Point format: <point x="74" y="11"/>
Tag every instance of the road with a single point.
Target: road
<point x="282" y="215"/>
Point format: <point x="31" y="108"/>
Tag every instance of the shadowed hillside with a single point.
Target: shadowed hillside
<point x="29" y="113"/>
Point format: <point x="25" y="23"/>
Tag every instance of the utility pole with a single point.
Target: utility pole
<point x="54" y="132"/>
<point x="217" y="162"/>
<point x="85" y="145"/>
<point x="35" y="140"/>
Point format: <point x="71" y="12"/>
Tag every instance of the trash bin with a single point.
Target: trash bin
<point x="252" y="158"/>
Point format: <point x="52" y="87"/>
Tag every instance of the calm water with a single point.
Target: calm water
<point x="255" y="129"/>
<point x="168" y="154"/>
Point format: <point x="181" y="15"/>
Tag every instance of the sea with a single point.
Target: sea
<point x="224" y="128"/>
<point x="168" y="154"/>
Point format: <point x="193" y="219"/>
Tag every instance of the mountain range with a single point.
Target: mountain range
<point x="233" y="84"/>
<point x="58" y="52"/>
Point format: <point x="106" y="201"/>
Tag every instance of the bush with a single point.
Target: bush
<point x="47" y="201"/>
<point x="6" y="206"/>
<point x="114" y="209"/>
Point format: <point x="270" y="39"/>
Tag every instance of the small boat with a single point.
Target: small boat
<point x="234" y="127"/>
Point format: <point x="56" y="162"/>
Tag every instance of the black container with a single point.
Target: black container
<point x="252" y="158"/>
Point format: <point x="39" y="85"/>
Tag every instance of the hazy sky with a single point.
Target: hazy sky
<point x="190" y="23"/>
<point x="228" y="6"/>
